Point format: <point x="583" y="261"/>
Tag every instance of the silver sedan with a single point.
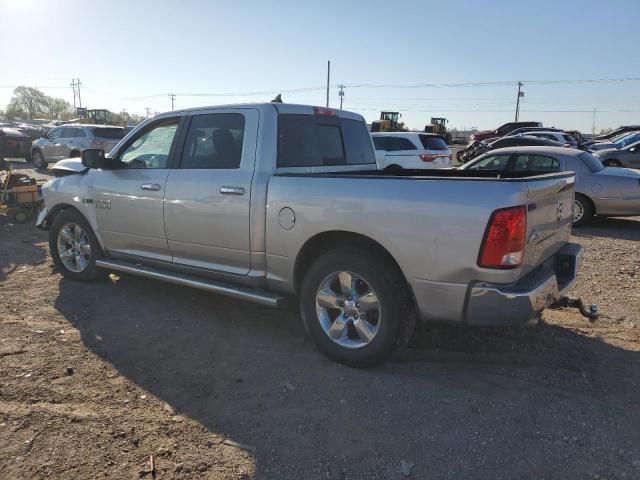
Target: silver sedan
<point x="599" y="190"/>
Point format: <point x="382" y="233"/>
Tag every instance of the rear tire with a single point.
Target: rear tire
<point x="393" y="168"/>
<point x="583" y="210"/>
<point x="74" y="247"/>
<point x="362" y="327"/>
<point x="38" y="159"/>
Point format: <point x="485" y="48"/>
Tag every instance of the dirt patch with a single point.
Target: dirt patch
<point x="96" y="378"/>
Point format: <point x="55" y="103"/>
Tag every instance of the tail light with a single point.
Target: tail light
<point x="328" y="112"/>
<point x="503" y="244"/>
<point x="427" y="158"/>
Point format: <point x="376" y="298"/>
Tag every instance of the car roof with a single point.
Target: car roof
<point x="573" y="152"/>
<point x="88" y="125"/>
<point x="397" y="134"/>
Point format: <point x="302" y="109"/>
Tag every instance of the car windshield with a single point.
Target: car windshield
<point x="591" y="162"/>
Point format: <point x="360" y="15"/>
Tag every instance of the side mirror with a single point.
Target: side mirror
<point x="93" y="158"/>
<point x="44" y="135"/>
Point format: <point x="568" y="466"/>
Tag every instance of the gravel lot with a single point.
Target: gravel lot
<point x="96" y="378"/>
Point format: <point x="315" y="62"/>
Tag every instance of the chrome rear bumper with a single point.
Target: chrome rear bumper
<point x="522" y="301"/>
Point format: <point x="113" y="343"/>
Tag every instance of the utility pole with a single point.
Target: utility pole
<point x="328" y="80"/>
<point x="520" y="94"/>
<point x="593" y="127"/>
<point x="172" y="96"/>
<point x="148" y="110"/>
<point x="73" y="87"/>
<point x="341" y="94"/>
<point x="79" y="84"/>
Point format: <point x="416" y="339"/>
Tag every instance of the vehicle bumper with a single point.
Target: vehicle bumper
<point x="41" y="221"/>
<point x="523" y="301"/>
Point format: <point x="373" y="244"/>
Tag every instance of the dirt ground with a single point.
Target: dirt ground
<point x="97" y="378"/>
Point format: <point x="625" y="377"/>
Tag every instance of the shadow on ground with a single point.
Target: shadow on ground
<point x="20" y="245"/>
<point x="547" y="403"/>
<point x="620" y="228"/>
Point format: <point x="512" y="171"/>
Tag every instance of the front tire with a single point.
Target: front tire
<point x="582" y="210"/>
<point x="74" y="247"/>
<point x="612" y="163"/>
<point x="355" y="305"/>
<point x="38" y="159"/>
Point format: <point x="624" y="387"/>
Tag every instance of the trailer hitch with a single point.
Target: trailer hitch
<point x="591" y="312"/>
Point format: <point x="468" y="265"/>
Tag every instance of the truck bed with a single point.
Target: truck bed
<point x="436" y="174"/>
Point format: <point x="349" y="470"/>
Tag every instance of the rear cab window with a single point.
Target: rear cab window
<point x="321" y="141"/>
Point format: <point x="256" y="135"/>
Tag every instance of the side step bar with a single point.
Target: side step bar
<point x="257" y="296"/>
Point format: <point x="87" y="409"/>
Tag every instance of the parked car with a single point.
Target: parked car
<point x="477" y="148"/>
<point x="618" y="131"/>
<point x="264" y="201"/>
<point x="628" y="156"/>
<point x="525" y="130"/>
<point x="607" y="192"/>
<point x="69" y="141"/>
<point x="503" y="130"/>
<point x="411" y="150"/>
<point x="13" y="144"/>
<point x="561" y="137"/>
<point x="617" y="143"/>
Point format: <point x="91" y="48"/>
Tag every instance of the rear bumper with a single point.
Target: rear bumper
<point x="522" y="301"/>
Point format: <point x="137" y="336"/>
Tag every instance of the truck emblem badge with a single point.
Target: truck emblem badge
<point x="559" y="208"/>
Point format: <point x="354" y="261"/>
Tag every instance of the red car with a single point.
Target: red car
<point x="503" y="130"/>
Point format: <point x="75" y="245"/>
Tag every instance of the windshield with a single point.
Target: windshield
<point x="591" y="162"/>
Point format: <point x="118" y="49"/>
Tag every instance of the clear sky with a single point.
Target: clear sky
<point x="125" y="50"/>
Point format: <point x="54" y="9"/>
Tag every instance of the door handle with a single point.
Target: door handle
<point x="150" y="186"/>
<point x="232" y="190"/>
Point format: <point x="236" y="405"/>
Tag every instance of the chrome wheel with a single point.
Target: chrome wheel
<point x="37" y="159"/>
<point x="74" y="248"/>
<point x="348" y="309"/>
<point x="578" y="211"/>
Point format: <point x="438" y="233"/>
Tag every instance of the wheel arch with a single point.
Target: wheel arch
<point x="61" y="207"/>
<point x="332" y="240"/>
<point x="589" y="199"/>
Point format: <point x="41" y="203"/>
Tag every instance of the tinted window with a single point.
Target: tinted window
<point x="536" y="163"/>
<point x="357" y="142"/>
<point x="68" y="132"/>
<point x="492" y="162"/>
<point x="380" y="143"/>
<point x="151" y="148"/>
<point x="109" y="133"/>
<point x="315" y="141"/>
<point x="395" y="144"/>
<point x="591" y="162"/>
<point x="56" y="133"/>
<point x="80" y="133"/>
<point x="569" y="138"/>
<point x="214" y="141"/>
<point x="432" y="143"/>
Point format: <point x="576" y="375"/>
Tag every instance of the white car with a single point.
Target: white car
<point x="411" y="150"/>
<point x="561" y="137"/>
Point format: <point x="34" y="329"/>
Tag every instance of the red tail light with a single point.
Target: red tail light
<point x="427" y="158"/>
<point x="324" y="111"/>
<point x="503" y="244"/>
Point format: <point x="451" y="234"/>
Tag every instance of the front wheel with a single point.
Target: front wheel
<point x="38" y="159"/>
<point x="612" y="163"/>
<point x="355" y="305"/>
<point x="74" y="247"/>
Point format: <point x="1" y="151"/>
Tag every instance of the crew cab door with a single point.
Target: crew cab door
<point x="129" y="199"/>
<point x="208" y="194"/>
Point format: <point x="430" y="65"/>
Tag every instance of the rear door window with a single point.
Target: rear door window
<point x="316" y="141"/>
<point x="433" y="143"/>
<point x="214" y="141"/>
<point x="536" y="163"/>
<point x="397" y="144"/>
<point x="380" y="143"/>
<point x="109" y="133"/>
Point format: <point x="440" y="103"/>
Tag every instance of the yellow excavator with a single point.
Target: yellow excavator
<point x="389" y="122"/>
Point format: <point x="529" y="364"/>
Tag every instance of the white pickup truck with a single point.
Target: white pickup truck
<point x="267" y="201"/>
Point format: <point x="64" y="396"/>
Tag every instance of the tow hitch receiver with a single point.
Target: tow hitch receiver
<point x="591" y="312"/>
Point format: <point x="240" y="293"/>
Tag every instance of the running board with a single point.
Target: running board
<point x="242" y="293"/>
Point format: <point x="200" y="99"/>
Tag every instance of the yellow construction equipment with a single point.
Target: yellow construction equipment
<point x="389" y="122"/>
<point x="439" y="127"/>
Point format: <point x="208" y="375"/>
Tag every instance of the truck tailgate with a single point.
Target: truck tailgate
<point x="549" y="219"/>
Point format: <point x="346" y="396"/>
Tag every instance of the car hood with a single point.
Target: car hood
<point x="619" y="172"/>
<point x="605" y="152"/>
<point x="69" y="165"/>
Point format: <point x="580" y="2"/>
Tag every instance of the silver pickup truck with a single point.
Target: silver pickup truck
<point x="263" y="202"/>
